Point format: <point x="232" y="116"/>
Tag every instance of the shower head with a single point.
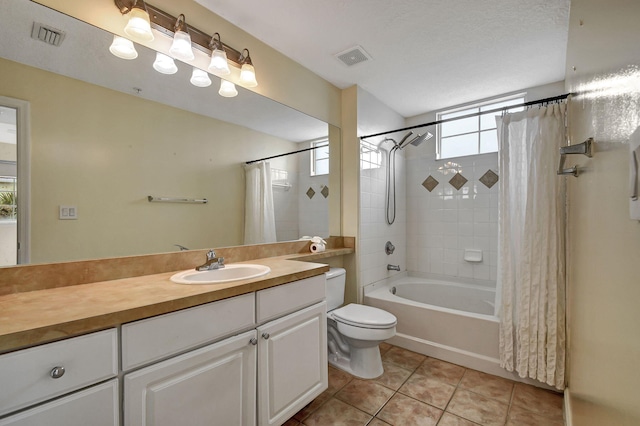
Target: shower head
<point x="415" y="141"/>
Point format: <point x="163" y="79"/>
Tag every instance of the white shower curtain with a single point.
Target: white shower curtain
<point x="259" y="216"/>
<point x="531" y="253"/>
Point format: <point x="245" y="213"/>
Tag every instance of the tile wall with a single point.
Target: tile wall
<point x="449" y="209"/>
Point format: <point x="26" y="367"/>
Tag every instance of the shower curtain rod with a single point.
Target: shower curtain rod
<point x="285" y="154"/>
<point x="474" y="114"/>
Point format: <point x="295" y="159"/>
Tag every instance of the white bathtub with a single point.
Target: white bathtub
<point x="445" y="320"/>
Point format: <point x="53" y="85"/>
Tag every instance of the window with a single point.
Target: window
<point x="320" y="158"/>
<point x="472" y="135"/>
<point x="370" y="156"/>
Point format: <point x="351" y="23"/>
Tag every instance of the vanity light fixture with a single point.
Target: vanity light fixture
<point x="181" y="46"/>
<point x="164" y="64"/>
<point x="219" y="63"/>
<point x="139" y="25"/>
<point x="227" y="89"/>
<point x="123" y="48"/>
<point x="247" y="72"/>
<point x="200" y="78"/>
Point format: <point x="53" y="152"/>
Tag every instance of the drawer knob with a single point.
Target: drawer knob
<point x="57" y="372"/>
<point x="265" y="335"/>
<point x="253" y="341"/>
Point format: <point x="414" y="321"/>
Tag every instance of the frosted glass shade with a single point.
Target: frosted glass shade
<point x="164" y="64"/>
<point x="200" y="78"/>
<point x="248" y="75"/>
<point x="139" y="26"/>
<point x="227" y="89"/>
<point x="181" y="46"/>
<point x="219" y="64"/>
<point x="123" y="48"/>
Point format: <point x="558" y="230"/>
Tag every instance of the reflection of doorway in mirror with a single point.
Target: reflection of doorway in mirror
<point x="8" y="187"/>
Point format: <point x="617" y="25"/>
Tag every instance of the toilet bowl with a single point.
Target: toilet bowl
<point x="355" y="331"/>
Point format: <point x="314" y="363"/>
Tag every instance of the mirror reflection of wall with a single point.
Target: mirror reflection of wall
<point x="104" y="149"/>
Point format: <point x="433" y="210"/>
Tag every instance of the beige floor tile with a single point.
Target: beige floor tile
<point x="441" y="370"/>
<point x="313" y="405"/>
<point x="478" y="408"/>
<point x="291" y="422"/>
<point x="365" y="395"/>
<point x="377" y="422"/>
<point x="403" y="411"/>
<point x="337" y="413"/>
<point x="403" y="358"/>
<point x="519" y="416"/>
<point x="384" y="347"/>
<point x="540" y="401"/>
<point x="449" y="419"/>
<point x="487" y="385"/>
<point x="425" y="389"/>
<point x="393" y="376"/>
<point x="338" y="379"/>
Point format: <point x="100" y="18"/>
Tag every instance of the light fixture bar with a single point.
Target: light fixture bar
<point x="164" y="22"/>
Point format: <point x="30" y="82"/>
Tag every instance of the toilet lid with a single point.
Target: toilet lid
<point x="364" y="316"/>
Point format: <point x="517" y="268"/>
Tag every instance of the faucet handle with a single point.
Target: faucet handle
<point x="211" y="254"/>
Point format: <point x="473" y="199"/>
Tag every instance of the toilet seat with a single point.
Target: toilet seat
<point x="364" y="316"/>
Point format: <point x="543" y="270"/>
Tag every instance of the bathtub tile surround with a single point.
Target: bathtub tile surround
<point x="428" y="391"/>
<point x="452" y="217"/>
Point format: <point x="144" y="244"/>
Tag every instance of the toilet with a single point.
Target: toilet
<point x="355" y="331"/>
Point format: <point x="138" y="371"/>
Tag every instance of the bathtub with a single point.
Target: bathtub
<point x="450" y="321"/>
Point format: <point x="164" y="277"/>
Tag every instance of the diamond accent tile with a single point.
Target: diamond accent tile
<point x="489" y="178"/>
<point x="430" y="183"/>
<point x="457" y="181"/>
<point x="325" y="191"/>
<point x="310" y="193"/>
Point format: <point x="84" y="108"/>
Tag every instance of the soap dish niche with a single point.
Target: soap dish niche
<point x="472" y="255"/>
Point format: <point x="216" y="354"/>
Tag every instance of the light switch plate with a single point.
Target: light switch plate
<point x="68" y="212"/>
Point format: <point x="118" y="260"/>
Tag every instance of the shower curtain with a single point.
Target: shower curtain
<point x="259" y="216"/>
<point x="531" y="248"/>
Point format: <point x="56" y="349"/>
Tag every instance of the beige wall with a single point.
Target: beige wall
<point x="604" y="244"/>
<point x="279" y="77"/>
<point x="104" y="152"/>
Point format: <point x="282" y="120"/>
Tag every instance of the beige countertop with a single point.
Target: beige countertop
<point x="44" y="315"/>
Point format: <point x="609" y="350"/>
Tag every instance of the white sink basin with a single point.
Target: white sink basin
<point x="232" y="272"/>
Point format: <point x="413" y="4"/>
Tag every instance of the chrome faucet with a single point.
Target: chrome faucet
<point x="393" y="267"/>
<point x="212" y="262"/>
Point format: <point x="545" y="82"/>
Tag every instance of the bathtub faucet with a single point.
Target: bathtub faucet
<point x="393" y="267"/>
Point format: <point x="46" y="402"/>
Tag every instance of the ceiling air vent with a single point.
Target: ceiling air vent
<point x="49" y="35"/>
<point x="353" y="55"/>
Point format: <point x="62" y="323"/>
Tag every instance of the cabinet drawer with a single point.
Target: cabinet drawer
<point x="27" y="374"/>
<point x="156" y="338"/>
<point x="95" y="406"/>
<point x="277" y="301"/>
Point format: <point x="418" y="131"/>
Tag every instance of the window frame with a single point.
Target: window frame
<point x="477" y="106"/>
<point x="314" y="157"/>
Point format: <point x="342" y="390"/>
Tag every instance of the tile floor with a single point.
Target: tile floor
<point x="419" y="390"/>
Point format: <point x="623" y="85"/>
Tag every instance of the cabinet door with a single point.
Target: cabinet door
<point x="96" y="406"/>
<point x="214" y="385"/>
<point x="292" y="363"/>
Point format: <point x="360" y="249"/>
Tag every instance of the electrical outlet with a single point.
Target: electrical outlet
<point x="68" y="212"/>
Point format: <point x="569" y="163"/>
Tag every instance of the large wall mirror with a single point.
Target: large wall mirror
<point x="106" y="133"/>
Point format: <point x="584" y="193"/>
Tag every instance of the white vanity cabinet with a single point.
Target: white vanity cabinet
<point x="38" y="375"/>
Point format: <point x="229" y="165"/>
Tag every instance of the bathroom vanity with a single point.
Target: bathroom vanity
<point x="255" y="357"/>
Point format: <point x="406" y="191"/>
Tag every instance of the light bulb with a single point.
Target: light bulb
<point x="200" y="78"/>
<point x="181" y="46"/>
<point x="123" y="48"/>
<point x="139" y="26"/>
<point x="227" y="89"/>
<point x="219" y="64"/>
<point x="248" y="75"/>
<point x="164" y="64"/>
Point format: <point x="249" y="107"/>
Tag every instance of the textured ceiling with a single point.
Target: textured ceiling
<point x="427" y="54"/>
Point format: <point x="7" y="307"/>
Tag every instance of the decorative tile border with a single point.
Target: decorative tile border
<point x="489" y="178"/>
<point x="458" y="181"/>
<point x="430" y="183"/>
<point x="310" y="193"/>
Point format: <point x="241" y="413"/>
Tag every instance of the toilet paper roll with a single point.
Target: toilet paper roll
<point x="317" y="248"/>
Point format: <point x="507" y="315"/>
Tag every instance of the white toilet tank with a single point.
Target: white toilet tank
<point x="335" y="287"/>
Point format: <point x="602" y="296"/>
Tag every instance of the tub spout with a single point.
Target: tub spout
<point x="393" y="267"/>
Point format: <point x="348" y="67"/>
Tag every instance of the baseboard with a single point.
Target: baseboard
<point x="568" y="419"/>
<point x="461" y="357"/>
